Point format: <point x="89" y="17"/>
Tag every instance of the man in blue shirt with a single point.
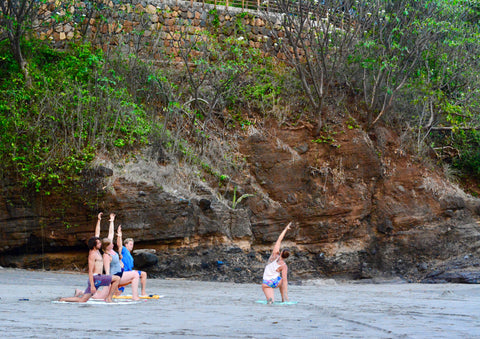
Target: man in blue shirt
<point x="128" y="264"/>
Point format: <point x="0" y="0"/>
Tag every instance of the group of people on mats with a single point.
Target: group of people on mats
<point x="118" y="267"/>
<point x="115" y="270"/>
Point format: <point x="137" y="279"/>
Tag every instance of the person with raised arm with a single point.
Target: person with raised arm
<point x="128" y="262"/>
<point x="275" y="273"/>
<point x="113" y="265"/>
<point x="95" y="270"/>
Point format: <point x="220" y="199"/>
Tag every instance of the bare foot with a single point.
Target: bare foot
<point x="270" y="301"/>
<point x="108" y="300"/>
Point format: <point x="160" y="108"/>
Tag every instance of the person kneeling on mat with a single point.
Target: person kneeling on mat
<point x="275" y="274"/>
<point x="111" y="262"/>
<point x="95" y="276"/>
<point x="128" y="263"/>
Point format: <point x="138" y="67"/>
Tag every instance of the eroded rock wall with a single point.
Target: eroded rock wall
<point x="363" y="207"/>
<point x="359" y="213"/>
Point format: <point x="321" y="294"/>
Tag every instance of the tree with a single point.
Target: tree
<point x="390" y="49"/>
<point x="213" y="70"/>
<point x="448" y="86"/>
<point x="319" y="37"/>
<point x="15" y="18"/>
<point x="375" y="47"/>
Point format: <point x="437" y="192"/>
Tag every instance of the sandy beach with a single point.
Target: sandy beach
<point x="325" y="309"/>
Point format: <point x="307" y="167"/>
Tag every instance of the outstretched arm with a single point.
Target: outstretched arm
<point x="276" y="248"/>
<point x="111" y="228"/>
<point x="97" y="227"/>
<point x="119" y="240"/>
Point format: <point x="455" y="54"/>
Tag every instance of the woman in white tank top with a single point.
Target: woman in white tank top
<point x="275" y="274"/>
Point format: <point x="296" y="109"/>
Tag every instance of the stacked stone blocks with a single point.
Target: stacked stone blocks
<point x="145" y="28"/>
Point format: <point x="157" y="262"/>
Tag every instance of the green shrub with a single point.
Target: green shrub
<point x="51" y="131"/>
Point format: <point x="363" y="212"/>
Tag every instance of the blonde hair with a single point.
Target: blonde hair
<point x="126" y="241"/>
<point x="105" y="243"/>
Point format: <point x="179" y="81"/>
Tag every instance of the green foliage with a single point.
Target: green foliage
<point x="215" y="18"/>
<point x="418" y="60"/>
<point x="236" y="201"/>
<point x="445" y="90"/>
<point x="415" y="62"/>
<point x="468" y="159"/>
<point x="352" y="124"/>
<point x="51" y="131"/>
<point x="324" y="140"/>
<point x="327" y="138"/>
<point x="265" y="85"/>
<point x="219" y="68"/>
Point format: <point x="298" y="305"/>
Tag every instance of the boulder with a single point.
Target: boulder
<point x="144" y="258"/>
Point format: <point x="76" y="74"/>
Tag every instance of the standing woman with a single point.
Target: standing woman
<point x="275" y="274"/>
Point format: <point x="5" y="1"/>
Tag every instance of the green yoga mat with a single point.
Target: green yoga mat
<point x="278" y="302"/>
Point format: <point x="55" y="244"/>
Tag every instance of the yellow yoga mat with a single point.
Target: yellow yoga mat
<point x="150" y="296"/>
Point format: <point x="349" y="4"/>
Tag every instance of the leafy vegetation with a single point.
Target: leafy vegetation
<point x="413" y="64"/>
<point x="81" y="102"/>
<point x="51" y="130"/>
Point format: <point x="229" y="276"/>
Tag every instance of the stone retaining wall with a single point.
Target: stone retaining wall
<point x="143" y="28"/>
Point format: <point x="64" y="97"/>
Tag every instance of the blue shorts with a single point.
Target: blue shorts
<point x="122" y="289"/>
<point x="272" y="283"/>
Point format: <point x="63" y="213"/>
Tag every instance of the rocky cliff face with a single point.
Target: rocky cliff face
<point x="363" y="208"/>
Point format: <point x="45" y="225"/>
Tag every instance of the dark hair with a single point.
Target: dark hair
<point x="285" y="254"/>
<point x="92" y="242"/>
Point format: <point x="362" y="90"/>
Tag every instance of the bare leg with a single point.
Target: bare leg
<point x="113" y="288"/>
<point x="102" y="293"/>
<point x="269" y="293"/>
<point x="143" y="282"/>
<point x="133" y="278"/>
<point x="82" y="299"/>
<point x="118" y="292"/>
<point x="283" y="286"/>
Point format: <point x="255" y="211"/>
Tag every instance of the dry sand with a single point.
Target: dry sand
<point x="325" y="309"/>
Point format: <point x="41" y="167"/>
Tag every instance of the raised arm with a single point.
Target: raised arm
<point x="97" y="227"/>
<point x="119" y="240"/>
<point x="276" y="248"/>
<point x="111" y="228"/>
